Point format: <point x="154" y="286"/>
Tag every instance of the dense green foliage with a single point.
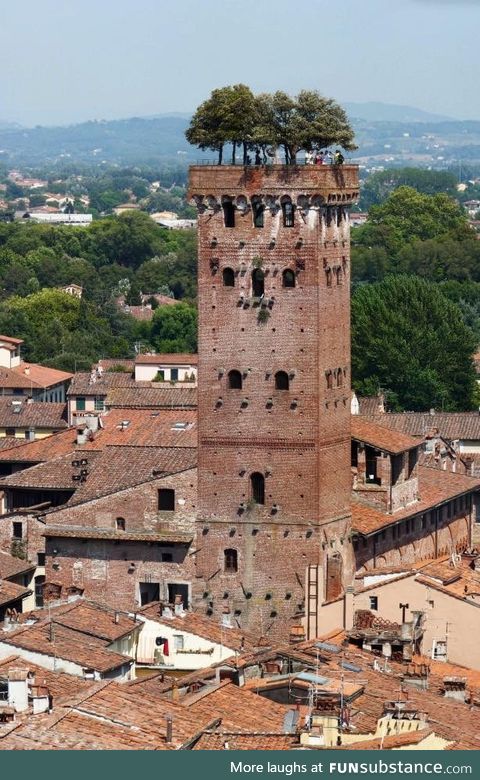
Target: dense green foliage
<point x="410" y="341"/>
<point x="411" y="232"/>
<point x="380" y="185"/>
<point x="125" y="255"/>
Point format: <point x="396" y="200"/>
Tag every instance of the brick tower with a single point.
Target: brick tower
<point x="274" y="477"/>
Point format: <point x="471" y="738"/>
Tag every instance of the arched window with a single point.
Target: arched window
<point x="258" y="283"/>
<point x="288" y="213"/>
<point x="282" y="381"/>
<point x="234" y="380"/>
<point x="228" y="214"/>
<point x="120" y="523"/>
<point x="258" y="210"/>
<point x="339" y="378"/>
<point x="228" y="277"/>
<point x="339" y="274"/>
<point x="328" y="274"/>
<point x="230" y="561"/>
<point x="257" y="486"/>
<point x="288" y="277"/>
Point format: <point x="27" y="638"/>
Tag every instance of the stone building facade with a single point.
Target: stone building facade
<point x="274" y="388"/>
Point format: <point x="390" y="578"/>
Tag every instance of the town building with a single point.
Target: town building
<point x="19" y="378"/>
<point x="171" y="368"/>
<point x="79" y="638"/>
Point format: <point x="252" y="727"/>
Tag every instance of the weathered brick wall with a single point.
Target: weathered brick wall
<point x="138" y="506"/>
<point x="103" y="569"/>
<point x="416" y="545"/>
<point x="299" y="438"/>
<point x="32" y="541"/>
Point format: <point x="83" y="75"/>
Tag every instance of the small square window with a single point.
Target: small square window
<point x="99" y="404"/>
<point x="374" y="602"/>
<point x="80" y="404"/>
<point x="166" y="500"/>
<point x="40" y="559"/>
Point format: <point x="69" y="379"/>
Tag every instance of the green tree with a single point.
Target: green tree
<point x="174" y="328"/>
<point x="410" y="341"/>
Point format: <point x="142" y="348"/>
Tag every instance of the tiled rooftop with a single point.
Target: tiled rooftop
<point x="381" y="437"/>
<point x="82" y="532"/>
<point x="152" y="398"/>
<point x="32" y="375"/>
<point x="205" y="627"/>
<point x="435" y="487"/>
<point x="51" y="638"/>
<point x="32" y="415"/>
<point x="10" y="566"/>
<point x="451" y="425"/>
<point x="10" y="591"/>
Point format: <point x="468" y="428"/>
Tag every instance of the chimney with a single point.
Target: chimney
<point x="178" y="605"/>
<point x="18" y="689"/>
<point x="455" y="688"/>
<point x="169" y="732"/>
<point x="226" y="618"/>
<point x="348" y="608"/>
<point x="116" y="619"/>
<point x="26" y="370"/>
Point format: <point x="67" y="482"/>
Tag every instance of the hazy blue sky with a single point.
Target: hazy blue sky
<point x="64" y="61"/>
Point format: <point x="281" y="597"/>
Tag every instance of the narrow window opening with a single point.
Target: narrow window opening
<point x="258" y="214"/>
<point x="288" y="278"/>
<point x="235" y="380"/>
<point x="288" y="214"/>
<point x="257" y="485"/>
<point x="230" y="557"/>
<point x="229" y="214"/>
<point x="258" y="283"/>
<point x="228" y="277"/>
<point x="120" y="523"/>
<point x="282" y="381"/>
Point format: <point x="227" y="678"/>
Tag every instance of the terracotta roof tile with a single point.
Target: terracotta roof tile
<point x="32" y="415"/>
<point x="55" y="474"/>
<point x="11" y="566"/>
<point x="60" y="685"/>
<point x="152" y="398"/>
<point x="435" y="487"/>
<point x="380" y="437"/>
<point x="10" y="591"/>
<point x="51" y="638"/>
<point x="202" y="626"/>
<point x="82" y="532"/>
<point x="451" y="425"/>
<point x="218" y="740"/>
<point x="119" y="467"/>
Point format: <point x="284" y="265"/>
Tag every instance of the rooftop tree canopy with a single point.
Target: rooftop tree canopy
<point x="234" y="115"/>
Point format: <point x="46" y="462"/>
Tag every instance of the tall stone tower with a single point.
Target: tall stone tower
<point x="274" y="478"/>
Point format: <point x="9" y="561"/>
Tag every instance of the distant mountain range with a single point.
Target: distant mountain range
<point x="386" y="134"/>
<point x="389" y="112"/>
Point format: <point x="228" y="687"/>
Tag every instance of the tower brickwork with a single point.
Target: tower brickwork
<point x="274" y="479"/>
